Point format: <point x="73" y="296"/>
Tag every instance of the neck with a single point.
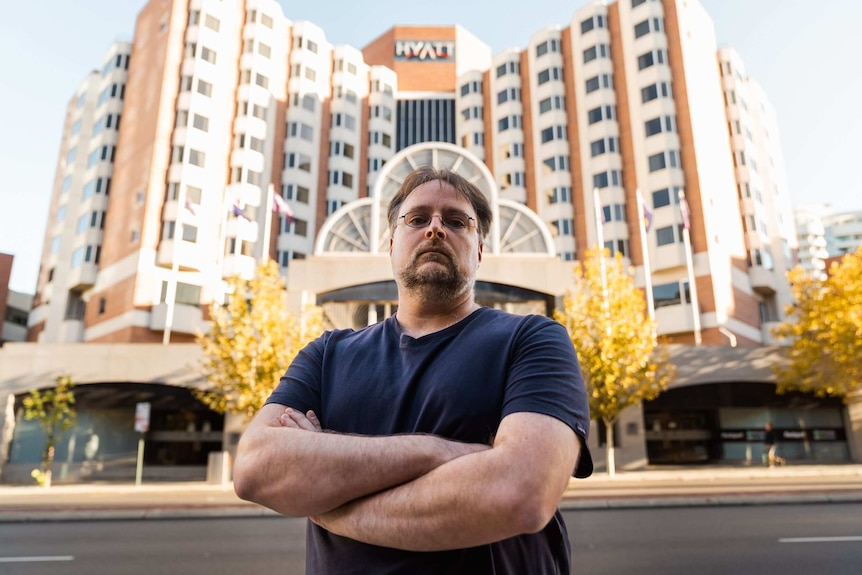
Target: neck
<point x="421" y="317"/>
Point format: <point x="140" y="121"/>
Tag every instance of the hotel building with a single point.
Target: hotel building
<point x="228" y="108"/>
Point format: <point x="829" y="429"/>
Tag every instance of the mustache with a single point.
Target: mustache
<point x="434" y="247"/>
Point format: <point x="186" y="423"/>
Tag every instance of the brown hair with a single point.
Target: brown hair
<point x="425" y="174"/>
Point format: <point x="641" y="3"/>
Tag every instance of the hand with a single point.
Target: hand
<point x="297" y="420"/>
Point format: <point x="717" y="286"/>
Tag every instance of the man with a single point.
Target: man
<point x="769" y="443"/>
<point x="437" y="441"/>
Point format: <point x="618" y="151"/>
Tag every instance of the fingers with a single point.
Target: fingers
<point x="297" y="420"/>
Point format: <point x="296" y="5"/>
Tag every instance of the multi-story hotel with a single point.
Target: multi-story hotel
<point x="246" y="135"/>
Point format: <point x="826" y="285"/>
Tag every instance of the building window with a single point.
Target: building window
<point x="665" y="196"/>
<point x="508" y="68"/>
<point x="597" y="51"/>
<point x="552" y="45"/>
<point x="552" y="103"/>
<point x="597" y="21"/>
<point x="552" y="73"/>
<point x="670" y="294"/>
<point x="608" y="178"/>
<point x="553" y="133"/>
<point x="652" y="58"/>
<point x="560" y="194"/>
<point x="653" y="91"/>
<point x="609" y="144"/>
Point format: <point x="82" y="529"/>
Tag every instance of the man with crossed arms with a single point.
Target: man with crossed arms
<point x="439" y="440"/>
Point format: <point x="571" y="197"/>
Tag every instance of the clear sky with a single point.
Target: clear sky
<point x="804" y="53"/>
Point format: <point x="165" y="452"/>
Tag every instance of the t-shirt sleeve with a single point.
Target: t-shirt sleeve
<point x="299" y="387"/>
<point x="545" y="377"/>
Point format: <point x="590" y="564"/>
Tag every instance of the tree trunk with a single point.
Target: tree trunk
<point x="48" y="462"/>
<point x="609" y="447"/>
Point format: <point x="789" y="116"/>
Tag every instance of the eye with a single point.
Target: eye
<point x="457" y="222"/>
<point x="417" y="219"/>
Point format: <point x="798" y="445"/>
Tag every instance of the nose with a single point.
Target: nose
<point x="435" y="228"/>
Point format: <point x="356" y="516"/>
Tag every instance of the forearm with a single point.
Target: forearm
<point x="474" y="500"/>
<point x="298" y="472"/>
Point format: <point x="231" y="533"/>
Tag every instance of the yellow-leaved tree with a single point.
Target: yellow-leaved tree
<point x="824" y="329"/>
<point x="54" y="409"/>
<point x="252" y="340"/>
<point x="605" y="315"/>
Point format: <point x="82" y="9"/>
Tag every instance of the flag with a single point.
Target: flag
<point x="685" y="211"/>
<point x="189" y="206"/>
<point x="647" y="217"/>
<point x="238" y="211"/>
<point x="280" y="206"/>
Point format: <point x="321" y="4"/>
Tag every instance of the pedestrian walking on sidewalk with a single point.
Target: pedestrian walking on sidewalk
<point x="770" y="445"/>
<point x="439" y="440"/>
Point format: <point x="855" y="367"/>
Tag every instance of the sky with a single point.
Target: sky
<point x="805" y="55"/>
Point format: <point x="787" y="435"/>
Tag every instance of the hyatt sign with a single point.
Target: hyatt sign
<point x="425" y="50"/>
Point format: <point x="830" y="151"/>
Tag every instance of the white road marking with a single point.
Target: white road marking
<point x="820" y="539"/>
<point x="37" y="559"/>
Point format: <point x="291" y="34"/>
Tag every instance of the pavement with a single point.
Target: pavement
<point x="647" y="488"/>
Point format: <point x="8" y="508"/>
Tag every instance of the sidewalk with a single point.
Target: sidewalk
<point x="628" y="489"/>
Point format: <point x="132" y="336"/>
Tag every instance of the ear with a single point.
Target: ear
<point x="390" y="246"/>
<point x="481" y="246"/>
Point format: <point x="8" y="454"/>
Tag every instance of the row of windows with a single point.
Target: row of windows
<point x="310" y="45"/>
<point x="203" y="87"/>
<point x="597" y="51"/>
<point x="295" y="226"/>
<point x="285" y="257"/>
<point x="563" y="227"/>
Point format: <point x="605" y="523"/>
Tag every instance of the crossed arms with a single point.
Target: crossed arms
<point x="415" y="492"/>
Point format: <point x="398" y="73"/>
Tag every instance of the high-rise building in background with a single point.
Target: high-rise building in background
<point x="843" y="232"/>
<point x="245" y="134"/>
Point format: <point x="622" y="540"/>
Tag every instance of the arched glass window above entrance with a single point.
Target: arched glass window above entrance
<point x="361" y="225"/>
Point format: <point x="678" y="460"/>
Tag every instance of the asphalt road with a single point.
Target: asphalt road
<point x="738" y="540"/>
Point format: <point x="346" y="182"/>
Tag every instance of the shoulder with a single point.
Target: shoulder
<point x="497" y="319"/>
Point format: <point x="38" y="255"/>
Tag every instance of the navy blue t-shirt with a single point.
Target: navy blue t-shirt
<point x="457" y="383"/>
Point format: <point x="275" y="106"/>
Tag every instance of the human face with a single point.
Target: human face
<point x="435" y="261"/>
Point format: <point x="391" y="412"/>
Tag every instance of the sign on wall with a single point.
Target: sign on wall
<point x="425" y="50"/>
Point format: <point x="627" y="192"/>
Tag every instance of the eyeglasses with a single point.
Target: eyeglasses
<point x="455" y="221"/>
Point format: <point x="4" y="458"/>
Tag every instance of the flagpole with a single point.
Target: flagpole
<point x="600" y="236"/>
<point x="267" y="221"/>
<point x="692" y="285"/>
<point x="645" y="254"/>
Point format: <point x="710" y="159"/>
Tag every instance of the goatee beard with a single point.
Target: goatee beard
<point x="437" y="283"/>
